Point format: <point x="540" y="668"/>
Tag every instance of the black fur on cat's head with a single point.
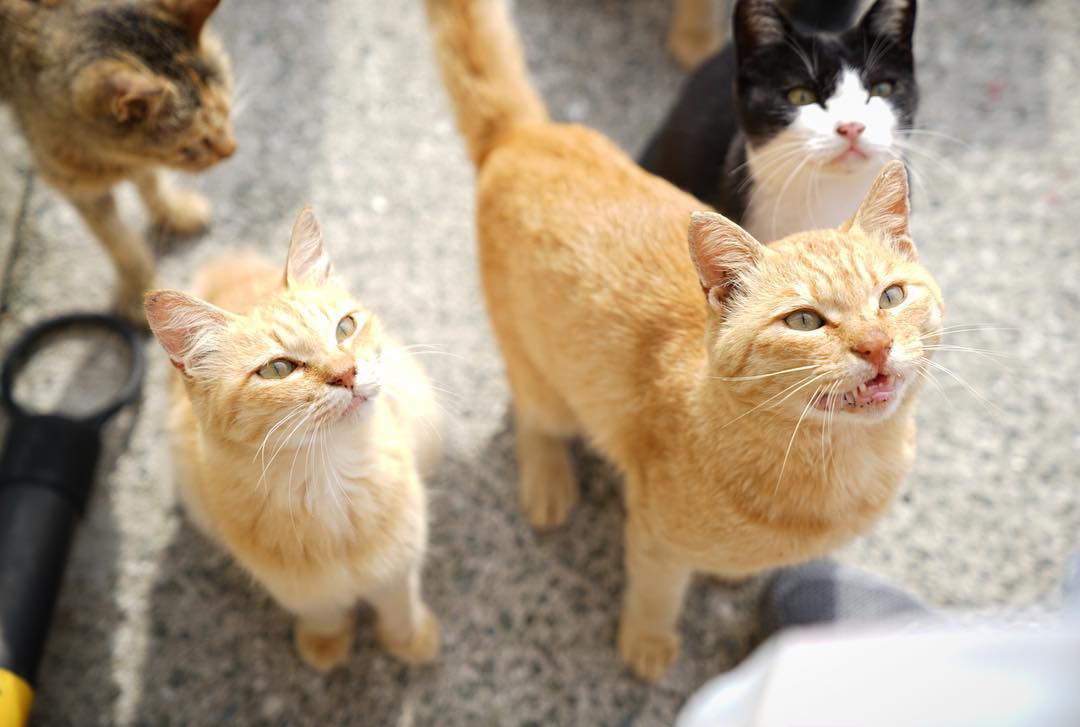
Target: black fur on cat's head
<point x="150" y="83"/>
<point x="782" y="69"/>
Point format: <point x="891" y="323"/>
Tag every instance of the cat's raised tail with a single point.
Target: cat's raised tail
<point x="484" y="70"/>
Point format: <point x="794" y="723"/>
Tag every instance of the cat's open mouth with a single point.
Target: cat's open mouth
<point x="875" y="393"/>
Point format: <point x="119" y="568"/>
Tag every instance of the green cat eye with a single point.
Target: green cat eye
<point x="345" y="328"/>
<point x="801" y="96"/>
<point x="882" y="88"/>
<point x="891" y="297"/>
<point x="279" y="368"/>
<point x="804" y="320"/>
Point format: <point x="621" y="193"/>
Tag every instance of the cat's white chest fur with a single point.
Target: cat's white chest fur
<point x="798" y="182"/>
<point x="807" y="201"/>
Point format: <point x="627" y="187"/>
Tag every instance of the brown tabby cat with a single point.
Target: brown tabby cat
<point x="106" y="91"/>
<point x="300" y="434"/>
<point x="758" y="399"/>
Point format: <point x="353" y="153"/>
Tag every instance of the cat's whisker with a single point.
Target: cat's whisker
<point x="794" y="388"/>
<point x="963" y="382"/>
<point x="829" y="392"/>
<point x="962" y="328"/>
<point x="784" y="189"/>
<point x="798" y="423"/>
<point x="928" y="376"/>
<point x="934" y="133"/>
<point x="766" y="376"/>
<point x="968" y="349"/>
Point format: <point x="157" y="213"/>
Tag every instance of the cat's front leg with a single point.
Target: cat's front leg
<point x="656" y="582"/>
<point x="405" y="626"/>
<point x="131" y="257"/>
<point x="324" y="636"/>
<point x="182" y="211"/>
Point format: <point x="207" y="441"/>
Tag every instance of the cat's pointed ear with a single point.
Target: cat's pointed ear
<point x="188" y="329"/>
<point x="756" y="24"/>
<point x="308" y="262"/>
<point x="893" y="19"/>
<point x="113" y="89"/>
<point x="192" y="14"/>
<point x="885" y="211"/>
<point x="722" y="253"/>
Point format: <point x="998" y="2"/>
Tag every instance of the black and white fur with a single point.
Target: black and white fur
<point x="736" y="141"/>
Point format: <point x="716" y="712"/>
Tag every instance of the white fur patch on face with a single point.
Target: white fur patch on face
<point x="811" y="176"/>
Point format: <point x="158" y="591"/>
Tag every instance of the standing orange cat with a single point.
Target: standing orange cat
<point x="757" y="399"/>
<point x="300" y="434"/>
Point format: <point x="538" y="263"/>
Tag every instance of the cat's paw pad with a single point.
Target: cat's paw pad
<point x="419" y="647"/>
<point x="648" y="654"/>
<point x="186" y="213"/>
<point x="323" y="650"/>
<point x="690" y="46"/>
<point x="548" y="491"/>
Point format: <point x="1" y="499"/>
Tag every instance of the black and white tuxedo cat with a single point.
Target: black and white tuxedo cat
<point x="786" y="129"/>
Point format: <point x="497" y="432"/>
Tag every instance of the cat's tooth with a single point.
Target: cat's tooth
<point x="862" y="388"/>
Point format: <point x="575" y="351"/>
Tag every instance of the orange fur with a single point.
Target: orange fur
<point x="107" y="91"/>
<point x="677" y="366"/>
<point x="318" y="497"/>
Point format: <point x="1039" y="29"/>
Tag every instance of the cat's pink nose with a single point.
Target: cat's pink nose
<point x="874" y="347"/>
<point x="850" y="130"/>
<point x="345" y="378"/>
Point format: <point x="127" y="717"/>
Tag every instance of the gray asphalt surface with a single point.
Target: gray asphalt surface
<point x="344" y="110"/>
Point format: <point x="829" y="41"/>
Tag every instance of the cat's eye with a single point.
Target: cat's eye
<point x="804" y="320"/>
<point x="883" y="89"/>
<point x="279" y="368"/>
<point x="345" y="328"/>
<point x="891" y="296"/>
<point x="801" y="96"/>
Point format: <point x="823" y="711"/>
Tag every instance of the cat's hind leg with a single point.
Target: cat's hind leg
<point x="547" y="487"/>
<point x="405" y="626"/>
<point x="182" y="211"/>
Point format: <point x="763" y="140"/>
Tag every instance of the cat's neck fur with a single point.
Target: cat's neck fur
<point x="319" y="482"/>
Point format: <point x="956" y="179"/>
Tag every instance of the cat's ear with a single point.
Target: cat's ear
<point x="756" y="24"/>
<point x="192" y="14"/>
<point x="111" y="89"/>
<point x="188" y="329"/>
<point x="885" y="211"/>
<point x="308" y="262"/>
<point x="894" y="19"/>
<point x="722" y="253"/>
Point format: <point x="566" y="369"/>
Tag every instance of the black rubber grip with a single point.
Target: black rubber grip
<point x="36" y="528"/>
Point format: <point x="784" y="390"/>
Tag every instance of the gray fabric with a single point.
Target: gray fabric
<point x="824" y="591"/>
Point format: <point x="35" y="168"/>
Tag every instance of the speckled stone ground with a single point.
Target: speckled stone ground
<point x="344" y="111"/>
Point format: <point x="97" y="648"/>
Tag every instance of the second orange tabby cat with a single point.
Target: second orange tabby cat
<point x="299" y="434"/>
<point x="757" y="399"/>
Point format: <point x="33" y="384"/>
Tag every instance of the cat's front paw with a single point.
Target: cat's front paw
<point x="185" y="213"/>
<point x="419" y="647"/>
<point x="323" y="650"/>
<point x="649" y="654"/>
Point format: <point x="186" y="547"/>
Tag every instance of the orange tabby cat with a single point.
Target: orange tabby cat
<point x="758" y="399"/>
<point x="299" y="434"/>
<point x="106" y="91"/>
